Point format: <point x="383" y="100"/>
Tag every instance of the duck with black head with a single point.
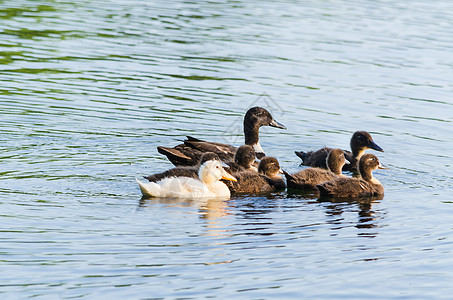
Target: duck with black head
<point x="360" y="141"/>
<point x="266" y="180"/>
<point x="365" y="186"/>
<point x="307" y="179"/>
<point x="184" y="171"/>
<point x="188" y="153"/>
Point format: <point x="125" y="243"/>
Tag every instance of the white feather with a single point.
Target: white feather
<point x="185" y="187"/>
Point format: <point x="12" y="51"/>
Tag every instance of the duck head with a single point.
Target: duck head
<point x="362" y="140"/>
<point x="367" y="164"/>
<point x="269" y="166"/>
<point x="258" y="116"/>
<point x="253" y="120"/>
<point x="245" y="156"/>
<point x="335" y="161"/>
<point x="208" y="156"/>
<point x="212" y="171"/>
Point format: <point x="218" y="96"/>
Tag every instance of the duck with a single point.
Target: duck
<point x="207" y="186"/>
<point x="308" y="179"/>
<point x="266" y="180"/>
<point x="184" y="171"/>
<point x="244" y="159"/>
<point x="365" y="186"/>
<point x="360" y="141"/>
<point x="188" y="153"/>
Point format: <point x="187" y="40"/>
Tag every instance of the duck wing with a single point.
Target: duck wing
<point x="190" y="152"/>
<point x="248" y="183"/>
<point x="191" y="172"/>
<point x="181" y="155"/>
<point x="345" y="188"/>
<point x="314" y="158"/>
<point x="277" y="182"/>
<point x="308" y="179"/>
<point x="224" y="151"/>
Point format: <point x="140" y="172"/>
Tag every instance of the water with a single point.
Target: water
<point x="89" y="89"/>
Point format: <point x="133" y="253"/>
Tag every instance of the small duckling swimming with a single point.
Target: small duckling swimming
<point x="265" y="181"/>
<point x="308" y="179"/>
<point x="244" y="159"/>
<point x="360" y="141"/>
<point x="190" y="171"/>
<point x="366" y="186"/>
<point x="188" y="153"/>
<point x="208" y="186"/>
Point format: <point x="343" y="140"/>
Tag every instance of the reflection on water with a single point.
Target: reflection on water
<point x="209" y="210"/>
<point x="367" y="218"/>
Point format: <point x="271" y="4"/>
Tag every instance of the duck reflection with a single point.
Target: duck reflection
<point x="367" y="217"/>
<point x="209" y="209"/>
<point x="254" y="213"/>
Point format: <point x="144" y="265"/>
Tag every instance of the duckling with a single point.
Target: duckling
<point x="186" y="171"/>
<point x="360" y="141"/>
<point x="188" y="153"/>
<point x="244" y="159"/>
<point x="366" y="186"/>
<point x="266" y="180"/>
<point x="208" y="186"/>
<point x="270" y="167"/>
<point x="308" y="179"/>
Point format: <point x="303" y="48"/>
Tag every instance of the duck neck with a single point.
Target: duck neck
<point x="251" y="133"/>
<point x="366" y="174"/>
<point x="206" y="176"/>
<point x="336" y="169"/>
<point x="357" y="154"/>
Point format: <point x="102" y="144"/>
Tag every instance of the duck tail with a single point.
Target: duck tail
<point x="324" y="190"/>
<point x="151" y="178"/>
<point x="192" y="139"/>
<point x="175" y="156"/>
<point x="149" y="189"/>
<point x="301" y="154"/>
<point x="288" y="176"/>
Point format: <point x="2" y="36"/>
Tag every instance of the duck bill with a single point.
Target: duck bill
<point x="227" y="176"/>
<point x="280" y="171"/>
<point x="374" y="146"/>
<point x="382" y="167"/>
<point x="276" y="124"/>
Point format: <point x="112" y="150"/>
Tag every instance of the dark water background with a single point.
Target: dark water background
<point x="88" y="89"/>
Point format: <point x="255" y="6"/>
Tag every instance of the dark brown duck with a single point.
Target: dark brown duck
<point x="266" y="180"/>
<point x="360" y="141"/>
<point x="244" y="159"/>
<point x="189" y="171"/>
<point x="366" y="186"/>
<point x="189" y="153"/>
<point x="308" y="179"/>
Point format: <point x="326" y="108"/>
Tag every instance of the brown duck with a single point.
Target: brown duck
<point x="360" y="141"/>
<point x="308" y="179"/>
<point x="189" y="153"/>
<point x="366" y="186"/>
<point x="265" y="181"/>
<point x="244" y="159"/>
<point x="189" y="171"/>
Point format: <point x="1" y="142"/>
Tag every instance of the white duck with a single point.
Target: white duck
<point x="208" y="186"/>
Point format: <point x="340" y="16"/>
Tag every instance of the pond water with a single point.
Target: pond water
<point x="89" y="89"/>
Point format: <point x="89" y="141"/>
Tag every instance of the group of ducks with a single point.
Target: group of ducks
<point x="199" y="172"/>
